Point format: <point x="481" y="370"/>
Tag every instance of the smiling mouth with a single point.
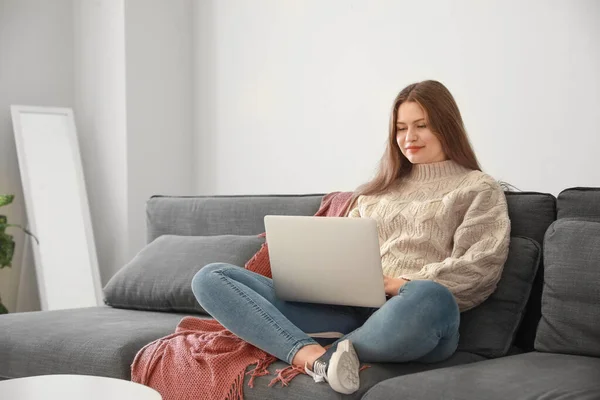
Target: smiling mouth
<point x="413" y="148"/>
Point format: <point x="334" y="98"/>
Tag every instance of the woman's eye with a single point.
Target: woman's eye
<point x="401" y="129"/>
<point x="422" y="126"/>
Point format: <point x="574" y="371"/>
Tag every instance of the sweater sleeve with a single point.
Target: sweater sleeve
<point x="480" y="249"/>
<point x="354" y="213"/>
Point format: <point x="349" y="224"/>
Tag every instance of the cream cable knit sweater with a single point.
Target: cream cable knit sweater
<point x="444" y="223"/>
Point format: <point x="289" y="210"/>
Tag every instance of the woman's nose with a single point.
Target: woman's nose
<point x="410" y="135"/>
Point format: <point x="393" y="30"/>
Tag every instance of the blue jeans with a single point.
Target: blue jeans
<point x="419" y="324"/>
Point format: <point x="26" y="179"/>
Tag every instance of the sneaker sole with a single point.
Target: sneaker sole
<point x="342" y="373"/>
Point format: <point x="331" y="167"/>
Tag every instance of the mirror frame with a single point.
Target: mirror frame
<point x="68" y="290"/>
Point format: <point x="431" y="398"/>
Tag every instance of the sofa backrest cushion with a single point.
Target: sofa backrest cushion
<point x="531" y="214"/>
<point x="570" y="314"/>
<point x="579" y="203"/>
<point x="159" y="277"/>
<point x="221" y="215"/>
<point x="489" y="329"/>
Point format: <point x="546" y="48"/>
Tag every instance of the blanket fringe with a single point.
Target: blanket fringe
<point x="260" y="369"/>
<point x="236" y="392"/>
<point x="286" y="374"/>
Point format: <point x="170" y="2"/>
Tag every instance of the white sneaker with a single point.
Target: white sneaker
<point x="341" y="371"/>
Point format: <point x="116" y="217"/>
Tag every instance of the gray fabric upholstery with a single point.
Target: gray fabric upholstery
<point x="570" y="313"/>
<point x="91" y="341"/>
<point x="580" y="203"/>
<point x="303" y="387"/>
<point x="221" y="215"/>
<point x="530" y="215"/>
<point x="159" y="277"/>
<point x="103" y="340"/>
<point x="489" y="329"/>
<point x="530" y="376"/>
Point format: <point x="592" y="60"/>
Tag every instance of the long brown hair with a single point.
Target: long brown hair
<point x="445" y="122"/>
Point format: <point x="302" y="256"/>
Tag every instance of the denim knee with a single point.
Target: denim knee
<point x="206" y="280"/>
<point x="428" y="288"/>
<point x="431" y="295"/>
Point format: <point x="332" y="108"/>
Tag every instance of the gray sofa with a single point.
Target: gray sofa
<point x="536" y="337"/>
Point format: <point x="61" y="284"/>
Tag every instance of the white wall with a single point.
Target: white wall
<point x="267" y="96"/>
<point x="294" y="97"/>
<point x="102" y="124"/>
<point x="36" y="68"/>
<point x="125" y="67"/>
<point x="134" y="65"/>
<point x="133" y="74"/>
<point x="158" y="42"/>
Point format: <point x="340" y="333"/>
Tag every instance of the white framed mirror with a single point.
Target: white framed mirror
<point x="57" y="207"/>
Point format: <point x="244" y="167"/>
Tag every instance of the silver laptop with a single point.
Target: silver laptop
<point x="331" y="260"/>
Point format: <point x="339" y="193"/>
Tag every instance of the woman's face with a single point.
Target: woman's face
<point x="417" y="142"/>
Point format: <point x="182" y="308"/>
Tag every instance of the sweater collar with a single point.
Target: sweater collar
<point x="435" y="171"/>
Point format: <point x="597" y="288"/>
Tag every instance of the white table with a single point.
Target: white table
<point x="74" y="387"/>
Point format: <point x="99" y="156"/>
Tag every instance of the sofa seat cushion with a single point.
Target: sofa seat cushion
<point x="303" y="386"/>
<point x="159" y="278"/>
<point x="526" y="376"/>
<point x="570" y="321"/>
<point x="90" y="341"/>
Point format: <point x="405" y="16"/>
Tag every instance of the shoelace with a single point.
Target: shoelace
<point x="319" y="373"/>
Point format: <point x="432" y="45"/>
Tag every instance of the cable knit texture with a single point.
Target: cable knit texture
<point x="444" y="223"/>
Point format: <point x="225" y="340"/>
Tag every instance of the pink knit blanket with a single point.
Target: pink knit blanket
<point x="202" y="359"/>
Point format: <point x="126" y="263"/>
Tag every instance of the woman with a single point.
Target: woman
<point x="444" y="233"/>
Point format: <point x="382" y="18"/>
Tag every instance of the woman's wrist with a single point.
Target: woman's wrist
<point x="393" y="285"/>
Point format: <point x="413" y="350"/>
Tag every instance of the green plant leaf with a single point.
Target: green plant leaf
<point x="7" y="250"/>
<point x="7" y="244"/>
<point x="6" y="199"/>
<point x="3" y="309"/>
<point x="18" y="226"/>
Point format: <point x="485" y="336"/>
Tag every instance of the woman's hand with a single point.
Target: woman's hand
<point x="392" y="285"/>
